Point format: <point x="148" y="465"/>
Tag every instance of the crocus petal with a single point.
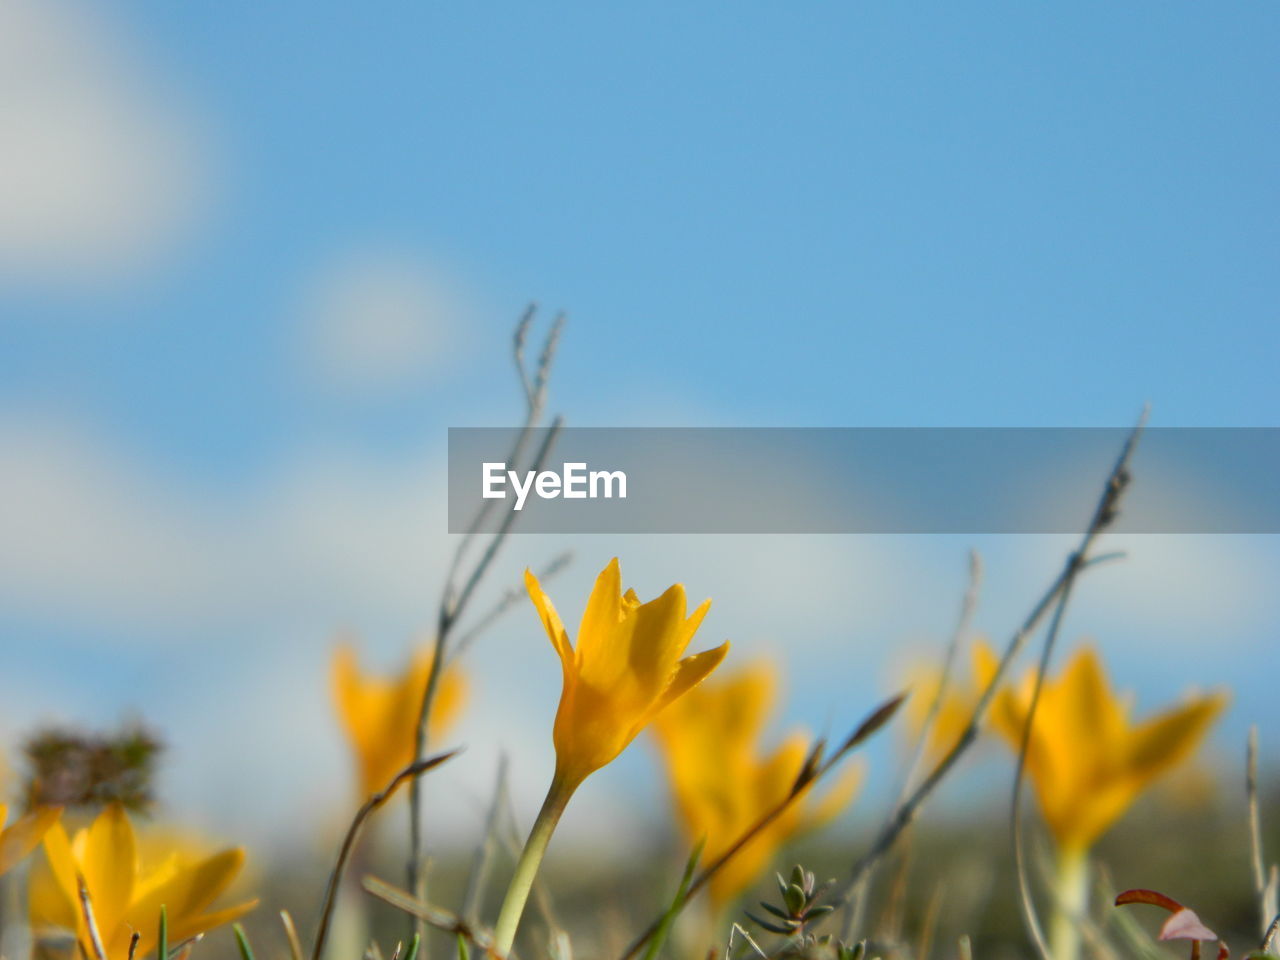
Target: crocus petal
<point x="1099" y="715"/>
<point x="346" y="684"/>
<point x="109" y="865"/>
<point x="657" y="638"/>
<point x="604" y="608"/>
<point x="209" y="921"/>
<point x="837" y="798"/>
<point x="722" y="785"/>
<point x="189" y="892"/>
<point x="64" y="886"/>
<point x="1164" y="740"/>
<point x="1008" y="712"/>
<point x="160" y="874"/>
<point x="1077" y="824"/>
<point x="691" y="625"/>
<point x="1079" y="708"/>
<point x="551" y="621"/>
<point x="20" y="839"/>
<point x="690" y="672"/>
<point x="380" y="714"/>
<point x="748" y="697"/>
<point x="985" y="662"/>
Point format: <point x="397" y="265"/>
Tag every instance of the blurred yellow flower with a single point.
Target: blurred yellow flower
<point x="24" y="834"/>
<point x="625" y="669"/>
<point x="1087" y="761"/>
<point x="128" y="882"/>
<point x="954" y="710"/>
<point x="380" y="714"/>
<point x="722" y="782"/>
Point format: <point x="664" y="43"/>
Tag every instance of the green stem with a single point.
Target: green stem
<point x="1071" y="895"/>
<point x="535" y="847"/>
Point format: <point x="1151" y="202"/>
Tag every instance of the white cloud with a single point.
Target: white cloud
<point x="89" y="532"/>
<point x="86" y="532"/>
<point x="100" y="170"/>
<point x="375" y="321"/>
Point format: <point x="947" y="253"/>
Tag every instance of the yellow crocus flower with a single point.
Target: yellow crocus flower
<point x="23" y="835"/>
<point x="127" y="883"/>
<point x="627" y="666"/>
<point x="380" y="713"/>
<point x="953" y="712"/>
<point x="1088" y="763"/>
<point x="722" y="783"/>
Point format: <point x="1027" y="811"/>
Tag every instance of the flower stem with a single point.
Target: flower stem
<point x="1071" y="894"/>
<point x="535" y="847"/>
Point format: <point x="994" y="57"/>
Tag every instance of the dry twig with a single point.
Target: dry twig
<point x="815" y="767"/>
<point x="1264" y="880"/>
<point x="904" y="813"/>
<point x="856" y="904"/>
<point x="90" y="921"/>
<point x="367" y="809"/>
<point x="433" y="916"/>
<point x="1105" y="514"/>
<point x="484" y="851"/>
<point x="454" y="598"/>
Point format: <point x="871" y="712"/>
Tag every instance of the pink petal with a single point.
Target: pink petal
<point x="1185" y="925"/>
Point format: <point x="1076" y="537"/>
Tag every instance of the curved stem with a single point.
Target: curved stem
<point x="1071" y="887"/>
<point x="535" y="848"/>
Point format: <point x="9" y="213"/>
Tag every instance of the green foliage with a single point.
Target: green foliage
<point x="800" y="906"/>
<point x="242" y="943"/>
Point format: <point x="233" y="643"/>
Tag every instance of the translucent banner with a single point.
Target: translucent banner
<point x="861" y="480"/>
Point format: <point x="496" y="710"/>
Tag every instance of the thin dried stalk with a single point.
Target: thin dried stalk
<point x="433" y="916"/>
<point x="1255" y="819"/>
<point x="483" y="856"/>
<point x="291" y="935"/>
<point x="1030" y="917"/>
<point x="454" y="599"/>
<point x="905" y="812"/>
<point x="856" y="904"/>
<point x="1272" y="932"/>
<point x="535" y="400"/>
<point x="736" y="931"/>
<point x="367" y="809"/>
<point x="1104" y="516"/>
<point x="814" y="769"/>
<point x="90" y="921"/>
<point x="508" y="600"/>
<point x="930" y="924"/>
<point x="1264" y="881"/>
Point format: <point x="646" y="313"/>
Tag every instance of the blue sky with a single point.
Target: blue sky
<point x="756" y="214"/>
<point x="826" y="214"/>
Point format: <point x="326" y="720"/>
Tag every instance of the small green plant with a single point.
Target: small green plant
<point x="799" y="908"/>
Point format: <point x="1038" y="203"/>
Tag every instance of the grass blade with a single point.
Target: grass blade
<point x="677" y="904"/>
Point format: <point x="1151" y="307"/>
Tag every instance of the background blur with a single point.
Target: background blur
<point x="255" y="258"/>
